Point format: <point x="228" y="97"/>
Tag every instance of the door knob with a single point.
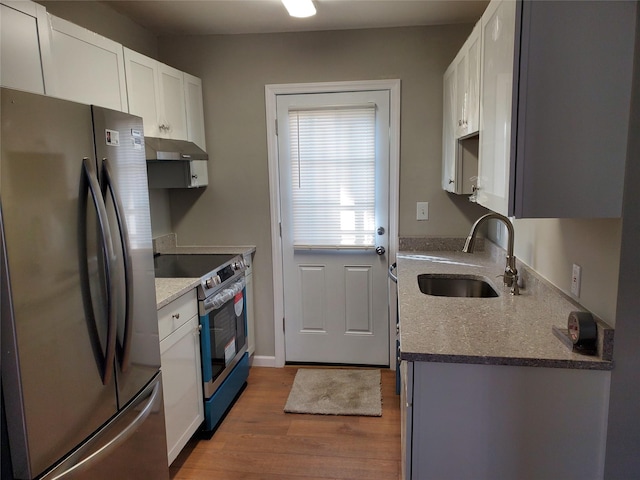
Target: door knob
<point x="380" y="250"/>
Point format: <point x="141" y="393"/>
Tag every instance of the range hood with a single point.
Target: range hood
<point x="167" y="149"/>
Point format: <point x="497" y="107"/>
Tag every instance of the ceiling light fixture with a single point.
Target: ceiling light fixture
<point x="299" y="8"/>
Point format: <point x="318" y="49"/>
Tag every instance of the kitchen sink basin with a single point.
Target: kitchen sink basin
<point x="447" y="285"/>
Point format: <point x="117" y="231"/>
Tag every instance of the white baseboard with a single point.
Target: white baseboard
<point x="263" y="361"/>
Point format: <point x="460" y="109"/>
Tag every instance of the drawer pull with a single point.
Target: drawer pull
<point x="176" y="316"/>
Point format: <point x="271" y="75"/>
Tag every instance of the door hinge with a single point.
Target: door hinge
<point x="280" y="227"/>
<point x="283" y="324"/>
<point x="276" y="127"/>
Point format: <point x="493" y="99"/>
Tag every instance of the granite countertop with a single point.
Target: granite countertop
<point x="507" y="330"/>
<point x="168" y="289"/>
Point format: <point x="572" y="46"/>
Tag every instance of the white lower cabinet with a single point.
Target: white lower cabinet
<point x="181" y="371"/>
<point x="483" y="422"/>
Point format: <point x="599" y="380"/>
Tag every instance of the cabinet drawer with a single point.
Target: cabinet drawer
<point x="177" y="313"/>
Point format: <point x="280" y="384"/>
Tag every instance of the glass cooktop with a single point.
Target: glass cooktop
<point x="188" y="265"/>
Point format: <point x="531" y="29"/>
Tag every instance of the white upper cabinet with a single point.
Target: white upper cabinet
<point x="498" y="41"/>
<point x="461" y="115"/>
<point x="25" y="57"/>
<point x="195" y="110"/>
<point x="449" y="128"/>
<point x="156" y="93"/>
<point x="173" y="113"/>
<point x="87" y="67"/>
<point x="467" y="65"/>
<point x="143" y="89"/>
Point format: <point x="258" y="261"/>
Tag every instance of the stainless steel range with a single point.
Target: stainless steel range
<point x="223" y="323"/>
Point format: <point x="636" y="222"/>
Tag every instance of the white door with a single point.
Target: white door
<point x="334" y="180"/>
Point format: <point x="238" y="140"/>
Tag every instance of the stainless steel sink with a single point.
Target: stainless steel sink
<point x="447" y="285"/>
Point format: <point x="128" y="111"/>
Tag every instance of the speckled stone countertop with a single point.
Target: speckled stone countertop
<point x="507" y="330"/>
<point x="168" y="289"/>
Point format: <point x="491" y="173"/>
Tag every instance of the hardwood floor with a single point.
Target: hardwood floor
<point x="257" y="440"/>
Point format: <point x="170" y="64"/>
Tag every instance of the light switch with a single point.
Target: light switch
<point x="422" y="211"/>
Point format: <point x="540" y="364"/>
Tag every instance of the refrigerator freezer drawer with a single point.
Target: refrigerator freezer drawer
<point x="137" y="431"/>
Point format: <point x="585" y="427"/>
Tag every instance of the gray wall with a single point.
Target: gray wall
<point x="234" y="209"/>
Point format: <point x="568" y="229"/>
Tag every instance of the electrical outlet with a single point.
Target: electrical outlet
<point x="422" y="211"/>
<point x="575" y="280"/>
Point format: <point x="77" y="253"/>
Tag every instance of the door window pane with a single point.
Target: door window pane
<point x="333" y="176"/>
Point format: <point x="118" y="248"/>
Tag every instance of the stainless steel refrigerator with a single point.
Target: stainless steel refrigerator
<point x="81" y="379"/>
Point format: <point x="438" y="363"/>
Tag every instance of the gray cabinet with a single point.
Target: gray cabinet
<point x="554" y="115"/>
<point x="482" y="422"/>
<point x="572" y="108"/>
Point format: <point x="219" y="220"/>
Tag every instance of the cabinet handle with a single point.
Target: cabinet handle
<point x="176" y="316"/>
<point x="450" y="181"/>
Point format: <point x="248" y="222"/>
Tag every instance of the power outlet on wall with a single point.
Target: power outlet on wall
<point x="575" y="279"/>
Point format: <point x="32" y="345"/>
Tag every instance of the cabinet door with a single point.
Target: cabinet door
<point x="173" y="116"/>
<point x="143" y="89"/>
<point x="461" y="93"/>
<point x="87" y="67"/>
<point x="449" y="126"/>
<point x="24" y="46"/>
<point x="576" y="78"/>
<point x="195" y="110"/>
<point x="406" y="413"/>
<point x="498" y="35"/>
<point x="472" y="87"/>
<point x="182" y="379"/>
<point x="199" y="173"/>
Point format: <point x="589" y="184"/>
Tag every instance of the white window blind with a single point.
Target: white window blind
<point x="333" y="176"/>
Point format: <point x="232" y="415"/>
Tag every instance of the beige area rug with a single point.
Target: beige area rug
<point x="336" y="392"/>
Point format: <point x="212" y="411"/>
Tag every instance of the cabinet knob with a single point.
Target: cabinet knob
<point x="176" y="316"/>
<point x="450" y="181"/>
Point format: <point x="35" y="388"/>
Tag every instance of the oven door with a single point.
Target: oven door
<point x="223" y="338"/>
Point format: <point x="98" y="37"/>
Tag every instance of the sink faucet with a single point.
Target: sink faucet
<point x="510" y="276"/>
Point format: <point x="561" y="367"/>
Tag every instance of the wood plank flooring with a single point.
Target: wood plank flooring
<point x="258" y="441"/>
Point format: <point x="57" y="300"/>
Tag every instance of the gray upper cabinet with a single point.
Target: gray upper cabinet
<point x="572" y="108"/>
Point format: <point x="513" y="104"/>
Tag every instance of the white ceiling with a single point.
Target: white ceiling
<point x="202" y="17"/>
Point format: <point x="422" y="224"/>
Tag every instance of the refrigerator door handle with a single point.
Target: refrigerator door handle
<point x="89" y="184"/>
<point x="123" y="350"/>
<point x="82" y="460"/>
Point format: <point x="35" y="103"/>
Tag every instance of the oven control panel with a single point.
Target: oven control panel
<point x="216" y="279"/>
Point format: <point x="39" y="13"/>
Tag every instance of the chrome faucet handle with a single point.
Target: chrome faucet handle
<point x="515" y="288"/>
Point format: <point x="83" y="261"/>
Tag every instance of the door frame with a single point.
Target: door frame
<point x="271" y="92"/>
